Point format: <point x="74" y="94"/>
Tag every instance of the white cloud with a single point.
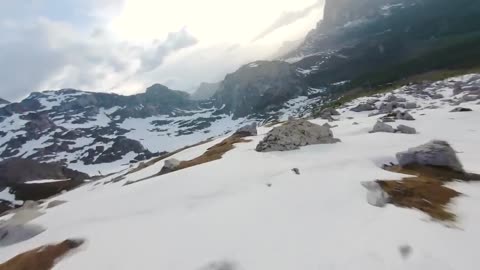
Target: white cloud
<point x="129" y="44"/>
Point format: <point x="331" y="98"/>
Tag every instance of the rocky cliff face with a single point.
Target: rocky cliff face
<point x="205" y="91"/>
<point x="259" y="87"/>
<point x="370" y="43"/>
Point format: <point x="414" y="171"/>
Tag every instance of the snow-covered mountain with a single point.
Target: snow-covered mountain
<point x="101" y="132"/>
<point x="304" y="208"/>
<point x="371" y="43"/>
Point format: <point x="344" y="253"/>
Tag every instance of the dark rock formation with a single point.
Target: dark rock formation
<point x="247" y="130"/>
<point x="205" y="91"/>
<point x="17" y="170"/>
<point x="15" y="174"/>
<point x="382" y="127"/>
<point x="120" y="148"/>
<point x="259" y="87"/>
<point x="461" y="109"/>
<point x="294" y="134"/>
<point x="3" y="101"/>
<point x="434" y="153"/>
<point x="405" y="130"/>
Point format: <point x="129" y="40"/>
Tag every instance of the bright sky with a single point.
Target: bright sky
<point x="127" y="45"/>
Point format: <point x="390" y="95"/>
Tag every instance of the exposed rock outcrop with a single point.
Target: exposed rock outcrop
<point x="328" y="114"/>
<point x="382" y="127"/>
<point x="14" y="173"/>
<point x="247" y="130"/>
<point x="435" y="153"/>
<point x="376" y="196"/>
<point x="294" y="134"/>
<point x="3" y="101"/>
<point x="461" y="109"/>
<point x="363" y="107"/>
<point x="259" y="87"/>
<point x="205" y="91"/>
<point x="17" y="170"/>
<point x="406" y="129"/>
<point x="170" y="165"/>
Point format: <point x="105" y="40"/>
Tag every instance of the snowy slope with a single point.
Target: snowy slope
<point x="223" y="214"/>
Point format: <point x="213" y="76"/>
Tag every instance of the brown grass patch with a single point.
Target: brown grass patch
<point x="215" y="152"/>
<point x="144" y="165"/>
<point x="427" y="195"/>
<point x="42" y="258"/>
<point x="425" y="190"/>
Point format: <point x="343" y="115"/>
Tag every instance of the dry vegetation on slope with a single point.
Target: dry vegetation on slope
<point x="425" y="190"/>
<point x="42" y="258"/>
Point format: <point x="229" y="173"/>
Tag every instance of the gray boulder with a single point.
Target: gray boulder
<point x="393" y="98"/>
<point x="388" y="107"/>
<point x="388" y="119"/>
<point x="436" y="96"/>
<point x="363" y="107"/>
<point x="170" y="165"/>
<point x="411" y="105"/>
<point x="404" y="116"/>
<point x="330" y="111"/>
<point x="434" y="153"/>
<point x="382" y="127"/>
<point x="328" y="114"/>
<point x="461" y="109"/>
<point x="376" y="196"/>
<point x="406" y="129"/>
<point x="468" y="98"/>
<point x="294" y="134"/>
<point x="247" y="130"/>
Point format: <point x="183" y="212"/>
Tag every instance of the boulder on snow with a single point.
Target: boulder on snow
<point x="376" y="196"/>
<point x="387" y="119"/>
<point x="328" y="114"/>
<point x="363" y="107"/>
<point x="393" y="98"/>
<point x="294" y="134"/>
<point x="461" y="109"/>
<point x="388" y="107"/>
<point x="406" y="129"/>
<point x="411" y="105"/>
<point x="404" y="116"/>
<point x="436" y="96"/>
<point x="247" y="130"/>
<point x="435" y="153"/>
<point x="382" y="127"/>
<point x="468" y="98"/>
<point x="399" y="115"/>
<point x="170" y="165"/>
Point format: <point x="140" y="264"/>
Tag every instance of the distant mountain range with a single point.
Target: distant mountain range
<point x="3" y="101"/>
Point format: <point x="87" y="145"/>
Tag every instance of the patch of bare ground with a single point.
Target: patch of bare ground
<point x="215" y="152"/>
<point x="425" y="190"/>
<point x="149" y="163"/>
<point x="42" y="258"/>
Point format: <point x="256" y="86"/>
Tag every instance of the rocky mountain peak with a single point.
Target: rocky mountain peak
<point x="258" y="87"/>
<point x="205" y="91"/>
<point x="3" y="101"/>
